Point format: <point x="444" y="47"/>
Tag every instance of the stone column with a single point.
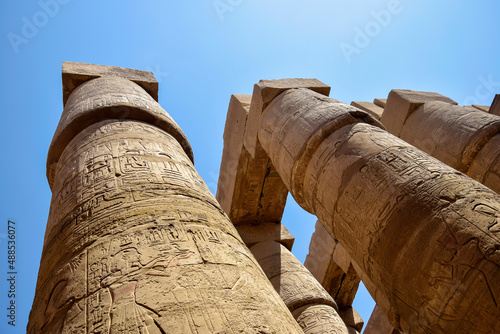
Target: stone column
<point x="330" y="264"/>
<point x="135" y="242"/>
<point x="253" y="195"/>
<point x="426" y="236"/>
<point x="312" y="306"/>
<point x="464" y="138"/>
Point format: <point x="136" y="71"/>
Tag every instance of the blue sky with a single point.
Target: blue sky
<point x="203" y="51"/>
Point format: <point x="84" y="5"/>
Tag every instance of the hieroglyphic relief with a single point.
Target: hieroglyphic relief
<point x="318" y="319"/>
<point x="158" y="254"/>
<point x="408" y="220"/>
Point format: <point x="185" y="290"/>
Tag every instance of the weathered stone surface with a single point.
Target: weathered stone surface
<point x="74" y="74"/>
<point x="325" y="255"/>
<point x="401" y="103"/>
<point x="486" y="165"/>
<point x="378" y="324"/>
<point x="252" y="234"/>
<point x="380" y="102"/>
<point x="263" y="93"/>
<point x="296" y="286"/>
<point x="439" y="225"/>
<point x="136" y="243"/>
<point x="108" y="98"/>
<point x="482" y="108"/>
<point x="351" y="318"/>
<point x="320" y="254"/>
<point x="319" y="319"/>
<point x="450" y="133"/>
<point x="249" y="189"/>
<point x="456" y="136"/>
<point x="495" y="106"/>
<point x="371" y="108"/>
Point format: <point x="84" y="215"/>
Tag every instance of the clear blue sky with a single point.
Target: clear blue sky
<point x="203" y="51"/>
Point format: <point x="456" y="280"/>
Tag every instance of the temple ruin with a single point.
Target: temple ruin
<point x="405" y="190"/>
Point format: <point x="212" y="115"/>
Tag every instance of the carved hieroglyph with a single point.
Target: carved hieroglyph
<point x="135" y="242"/>
<point x="426" y="235"/>
<point x="464" y="138"/>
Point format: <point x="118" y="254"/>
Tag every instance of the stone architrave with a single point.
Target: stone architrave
<point x="135" y="242"/>
<point x="462" y="137"/>
<point x="424" y="235"/>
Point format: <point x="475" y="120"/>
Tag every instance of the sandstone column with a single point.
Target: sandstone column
<point x="464" y="138"/>
<point x="425" y="236"/>
<point x="254" y="196"/>
<point x="135" y="242"/>
<point x="312" y="306"/>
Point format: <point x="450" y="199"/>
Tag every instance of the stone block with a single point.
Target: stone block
<point x="495" y="106"/>
<point x="74" y="74"/>
<point x="401" y="103"/>
<point x="255" y="233"/>
<point x="380" y="102"/>
<point x="264" y="92"/>
<point x="482" y="108"/>
<point x="371" y="108"/>
<point x="249" y="189"/>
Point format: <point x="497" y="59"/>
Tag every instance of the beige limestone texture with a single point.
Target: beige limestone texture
<point x="136" y="243"/>
<point x="425" y="236"/>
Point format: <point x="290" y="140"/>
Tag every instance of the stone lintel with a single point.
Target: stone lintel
<point x="495" y="106"/>
<point x="255" y="233"/>
<point x="249" y="190"/>
<point x="379" y="324"/>
<point x="482" y="108"/>
<point x="402" y="102"/>
<point x="74" y="74"/>
<point x="380" y="102"/>
<point x="264" y="92"/>
<point x="369" y="107"/>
